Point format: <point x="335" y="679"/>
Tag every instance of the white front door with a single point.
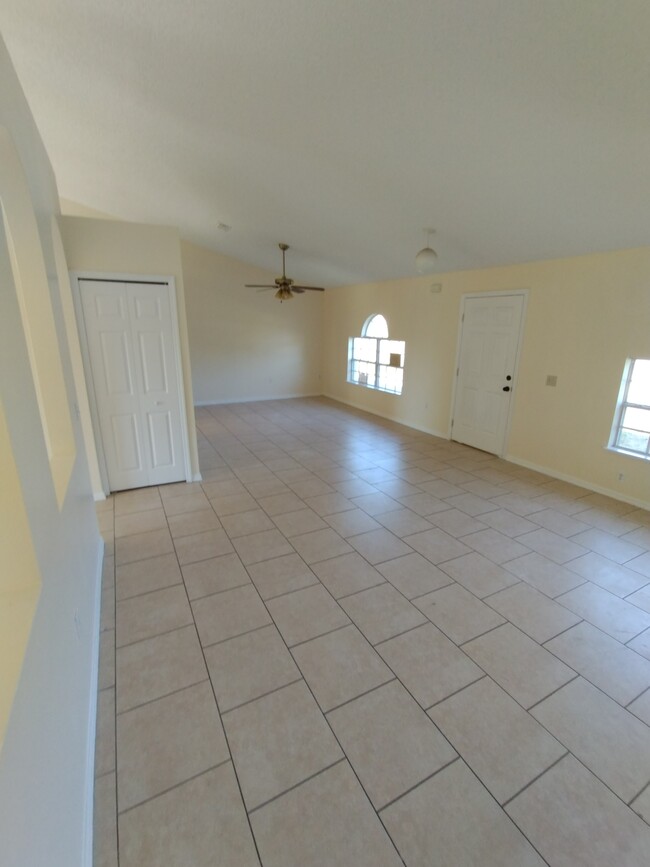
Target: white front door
<point x="132" y="351"/>
<point x="490" y="330"/>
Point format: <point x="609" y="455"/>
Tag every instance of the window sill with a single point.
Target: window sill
<point x="626" y="454"/>
<point x="374" y="388"/>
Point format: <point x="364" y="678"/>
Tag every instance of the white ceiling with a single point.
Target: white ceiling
<point x="520" y="129"/>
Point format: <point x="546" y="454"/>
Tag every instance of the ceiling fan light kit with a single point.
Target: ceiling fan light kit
<point x="425" y="260"/>
<point x="284" y="286"/>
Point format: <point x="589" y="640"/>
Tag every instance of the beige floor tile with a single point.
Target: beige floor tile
<point x="583" y="719"/>
<point x="551" y="578"/>
<point x="281" y="575"/>
<point x="199" y="823"/>
<point x="609" y="665"/>
<point x="223" y="488"/>
<point x="306" y="613"/>
<point x="641" y="804"/>
<point x="376" y="503"/>
<point x="456" y="523"/>
<point x="607" y="574"/>
<point x="105" y="822"/>
<point x="278" y="741"/>
<point x="310" y="487"/>
<point x="179" y="489"/>
<point x="106" y="673"/>
<point x="575" y="821"/>
<point x="232" y="612"/>
<point x="641" y="565"/>
<point x="518" y="664"/>
<point x="507" y="522"/>
<point x="280" y="504"/>
<point x="329" y="504"/>
<point x="143" y="576"/>
<point x="472" y="505"/>
<point x="423" y="504"/>
<point x="640" y="707"/>
<point x="609" y="545"/>
<point x="262" y="546"/>
<point x="377" y="546"/>
<point x="458" y="613"/>
<point x="552" y="546"/>
<point x="495" y="546"/>
<point x="641" y="644"/>
<point x="352" y="522"/>
<point x="151" y="614"/>
<point x="202" y="546"/>
<point x="641" y="598"/>
<point x="429" y="665"/>
<point x="340" y="666"/>
<point x="166" y="742"/>
<point x="403" y="522"/>
<point x="320" y="545"/>
<point x="414" y="575"/>
<point x="504" y="746"/>
<point x="142" y="546"/>
<point x="532" y="612"/>
<point x="158" y="666"/>
<point x="296" y="523"/>
<point x="639" y="536"/>
<point x="484" y="488"/>
<point x="558" y="522"/>
<point x="192" y="502"/>
<point x="478" y="574"/>
<point x="140" y="522"/>
<point x="140" y="500"/>
<point x="519" y="504"/>
<point x="326" y="820"/>
<point x="249" y="666"/>
<point x="382" y="612"/>
<point x="614" y="616"/>
<point x="347" y="574"/>
<point x="107" y="610"/>
<point x="356" y="487"/>
<point x="455" y="820"/>
<point x="190" y="523"/>
<point x="437" y="546"/>
<point x="246" y="523"/>
<point x="214" y="575"/>
<point x="231" y="504"/>
<point x="105" y="735"/>
<point x="389" y="741"/>
<point x="265" y="487"/>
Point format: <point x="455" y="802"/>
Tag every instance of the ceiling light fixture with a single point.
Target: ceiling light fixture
<point x="425" y="261"/>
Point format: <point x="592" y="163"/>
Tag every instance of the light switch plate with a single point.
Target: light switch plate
<point x="551" y="380"/>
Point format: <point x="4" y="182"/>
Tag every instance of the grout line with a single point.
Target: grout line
<point x="239" y="634"/>
<point x="223" y="590"/>
<point x="156" y="635"/>
<point x="638" y="794"/>
<point x="289" y="592"/>
<point x="321" y="635"/>
<point x="147" y="592"/>
<point x="425" y="622"/>
<point x="632" y="700"/>
<point x="534" y="780"/>
<point x="262" y="695"/>
<point x="462" y="689"/>
<point x="361" y="694"/>
<point x="487" y="631"/>
<point x="417" y="785"/>
<point x="160" y="697"/>
<point x="297" y="785"/>
<point x="557" y="689"/>
<point x="171" y="788"/>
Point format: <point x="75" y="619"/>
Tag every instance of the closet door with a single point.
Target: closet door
<point x="129" y="332"/>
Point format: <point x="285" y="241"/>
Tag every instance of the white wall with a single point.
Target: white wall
<point x="585" y="316"/>
<point x="44" y="761"/>
<point x="246" y="345"/>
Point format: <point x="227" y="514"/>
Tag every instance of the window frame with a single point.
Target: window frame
<point x="621" y="405"/>
<point x="377" y="364"/>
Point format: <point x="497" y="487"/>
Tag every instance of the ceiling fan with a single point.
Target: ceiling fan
<point x="284" y="285"/>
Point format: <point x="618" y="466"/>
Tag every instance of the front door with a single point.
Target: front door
<point x="489" y="340"/>
<point x="132" y="351"/>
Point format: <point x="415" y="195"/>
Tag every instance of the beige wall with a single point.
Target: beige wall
<point x="49" y="547"/>
<point x="585" y="316"/>
<point x="112" y="246"/>
<point x="245" y="345"/>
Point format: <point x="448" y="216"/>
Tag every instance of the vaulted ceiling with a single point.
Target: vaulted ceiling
<point x="519" y="129"/>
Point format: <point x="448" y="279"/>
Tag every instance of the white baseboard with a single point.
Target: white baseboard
<point x="89" y="799"/>
<point x="221" y="401"/>
<point x="98" y="496"/>
<point x="426" y="430"/>
<point x="582" y="483"/>
<point x="197" y="477"/>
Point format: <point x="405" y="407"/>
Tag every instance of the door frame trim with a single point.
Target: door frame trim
<point x="523" y="293"/>
<point x="119" y="277"/>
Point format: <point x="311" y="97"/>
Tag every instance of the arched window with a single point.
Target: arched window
<point x="374" y="361"/>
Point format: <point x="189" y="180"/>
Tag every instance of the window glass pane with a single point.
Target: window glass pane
<point x="633" y="440"/>
<point x="376" y="327"/>
<point x="639" y="390"/>
<point x="364" y="348"/>
<point x="637" y="419"/>
<point x="366" y="373"/>
<point x="391" y="347"/>
<point x="390" y="378"/>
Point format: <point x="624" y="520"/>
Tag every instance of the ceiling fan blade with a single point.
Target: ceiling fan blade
<point x="265" y="289"/>
<point x="260" y="286"/>
<point x="308" y="288"/>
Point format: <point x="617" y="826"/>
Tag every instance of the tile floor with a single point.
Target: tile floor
<point x="355" y="644"/>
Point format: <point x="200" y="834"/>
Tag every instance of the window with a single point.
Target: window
<point x="374" y="361"/>
<point x="631" y="431"/>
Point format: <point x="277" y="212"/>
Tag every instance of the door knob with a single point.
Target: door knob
<point x="506" y="388"/>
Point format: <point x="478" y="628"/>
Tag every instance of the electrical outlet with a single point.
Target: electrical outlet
<point x="551" y="380"/>
<point x="621" y="476"/>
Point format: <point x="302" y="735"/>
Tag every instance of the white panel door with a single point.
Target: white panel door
<point x="490" y="331"/>
<point x="129" y="331"/>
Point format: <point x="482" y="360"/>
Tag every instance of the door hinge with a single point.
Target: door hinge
<point x="463" y="318"/>
<point x="452" y="422"/>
